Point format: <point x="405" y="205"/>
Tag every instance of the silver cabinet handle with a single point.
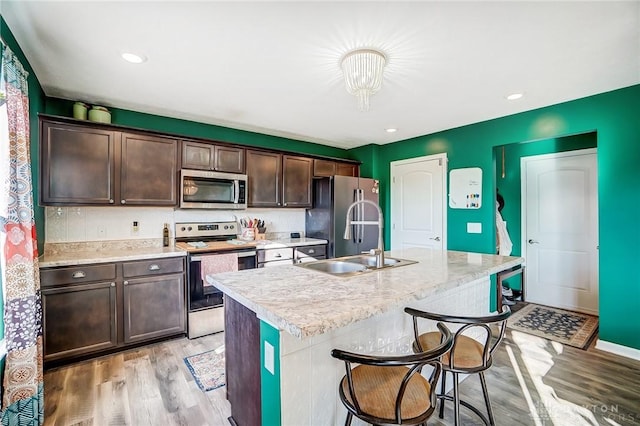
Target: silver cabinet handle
<point x="277" y="255"/>
<point x="126" y="283"/>
<point x="111" y="201"/>
<point x="113" y="284"/>
<point x="311" y="251"/>
<point x="533" y="242"/>
<point x="78" y="274"/>
<point x="154" y="267"/>
<point x="123" y="201"/>
<point x="435" y="239"/>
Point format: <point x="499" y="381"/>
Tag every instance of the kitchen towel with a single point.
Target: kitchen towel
<point x="216" y="264"/>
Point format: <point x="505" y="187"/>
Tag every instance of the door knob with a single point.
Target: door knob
<point x="533" y="242"/>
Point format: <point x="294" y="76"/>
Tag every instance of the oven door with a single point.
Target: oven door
<point x="203" y="296"/>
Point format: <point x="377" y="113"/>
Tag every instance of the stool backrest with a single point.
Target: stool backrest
<point x="489" y="342"/>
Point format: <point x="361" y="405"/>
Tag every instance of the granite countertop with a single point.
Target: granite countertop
<point x="306" y="303"/>
<point x="82" y="253"/>
<point x="289" y="242"/>
<point x="258" y="244"/>
<point x="107" y="255"/>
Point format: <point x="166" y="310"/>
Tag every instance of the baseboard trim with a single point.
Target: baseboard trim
<point x="614" y="348"/>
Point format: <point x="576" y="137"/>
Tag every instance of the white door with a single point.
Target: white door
<point x="560" y="233"/>
<point x="418" y="216"/>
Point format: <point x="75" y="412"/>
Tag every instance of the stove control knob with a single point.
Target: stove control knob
<point x="183" y="228"/>
<point x="231" y="226"/>
<point x="189" y="228"/>
<point x="226" y="227"/>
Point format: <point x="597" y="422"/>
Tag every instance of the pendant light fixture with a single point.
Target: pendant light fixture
<point x="363" y="72"/>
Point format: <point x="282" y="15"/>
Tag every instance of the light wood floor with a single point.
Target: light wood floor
<point x="532" y="382"/>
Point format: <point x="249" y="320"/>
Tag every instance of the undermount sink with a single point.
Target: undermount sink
<point x="370" y="260"/>
<point x="335" y="267"/>
<point x="353" y="265"/>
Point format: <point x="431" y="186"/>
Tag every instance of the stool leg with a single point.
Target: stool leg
<point x="456" y="400"/>
<point x="349" y="417"/>
<point x="443" y="388"/>
<point x="483" y="382"/>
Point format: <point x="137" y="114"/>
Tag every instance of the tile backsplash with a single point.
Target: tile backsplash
<point x="72" y="224"/>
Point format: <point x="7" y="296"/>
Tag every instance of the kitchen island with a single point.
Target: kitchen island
<point x="281" y="324"/>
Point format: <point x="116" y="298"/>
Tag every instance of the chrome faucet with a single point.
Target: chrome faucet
<point x="378" y="252"/>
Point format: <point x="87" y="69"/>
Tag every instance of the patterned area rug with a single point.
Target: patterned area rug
<point x="566" y="327"/>
<point x="208" y="369"/>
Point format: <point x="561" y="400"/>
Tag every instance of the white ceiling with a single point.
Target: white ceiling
<point x="274" y="67"/>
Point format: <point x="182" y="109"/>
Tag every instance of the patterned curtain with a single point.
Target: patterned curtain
<point x="22" y="385"/>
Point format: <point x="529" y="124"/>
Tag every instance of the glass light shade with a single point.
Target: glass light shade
<point x="363" y="71"/>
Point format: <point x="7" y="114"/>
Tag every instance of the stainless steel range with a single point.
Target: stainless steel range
<point x="210" y="243"/>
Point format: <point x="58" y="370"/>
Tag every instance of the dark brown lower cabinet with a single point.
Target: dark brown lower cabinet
<point x="242" y="363"/>
<point x="83" y="314"/>
<point x="79" y="319"/>
<point x="153" y="307"/>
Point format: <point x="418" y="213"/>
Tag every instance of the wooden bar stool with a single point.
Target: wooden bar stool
<point x="467" y="355"/>
<point x="390" y="390"/>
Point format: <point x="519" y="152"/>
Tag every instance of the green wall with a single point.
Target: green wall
<point x="510" y="186"/>
<point x="614" y="117"/>
<point x="63" y="107"/>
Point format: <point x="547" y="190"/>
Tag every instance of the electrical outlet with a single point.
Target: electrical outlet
<point x="269" y="358"/>
<point x="135" y="227"/>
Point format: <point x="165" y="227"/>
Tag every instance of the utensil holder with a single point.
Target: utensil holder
<point x="248" y="234"/>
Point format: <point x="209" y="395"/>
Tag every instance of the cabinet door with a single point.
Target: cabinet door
<point x="149" y="170"/>
<point x="79" y="319"/>
<point x="324" y="168"/>
<point x="264" y="171"/>
<point x="229" y="159"/>
<point x="197" y="155"/>
<point x="296" y="181"/>
<point x="153" y="307"/>
<point x="346" y="169"/>
<point x="77" y="164"/>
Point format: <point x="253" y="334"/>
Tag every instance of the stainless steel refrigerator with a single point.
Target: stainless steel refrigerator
<point x="327" y="219"/>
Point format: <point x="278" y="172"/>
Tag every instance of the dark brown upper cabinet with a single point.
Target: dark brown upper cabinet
<point x="297" y="173"/>
<point x="203" y="156"/>
<point x="264" y="175"/>
<point x="346" y="169"/>
<point x="78" y="164"/>
<point x="95" y="165"/>
<point x="332" y="168"/>
<point x="277" y="180"/>
<point x="149" y="170"/>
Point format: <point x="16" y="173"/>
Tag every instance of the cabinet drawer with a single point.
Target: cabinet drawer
<point x="153" y="267"/>
<point x="275" y="254"/>
<point x="77" y="274"/>
<point x="275" y="263"/>
<point x="311" y="251"/>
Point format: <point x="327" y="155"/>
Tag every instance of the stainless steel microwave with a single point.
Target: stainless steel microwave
<point x="201" y="189"/>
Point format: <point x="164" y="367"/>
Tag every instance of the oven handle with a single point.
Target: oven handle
<point x="240" y="254"/>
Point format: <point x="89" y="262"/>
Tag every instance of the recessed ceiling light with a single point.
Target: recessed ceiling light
<point x="391" y="130"/>
<point x="514" y="96"/>
<point x="134" y="58"/>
